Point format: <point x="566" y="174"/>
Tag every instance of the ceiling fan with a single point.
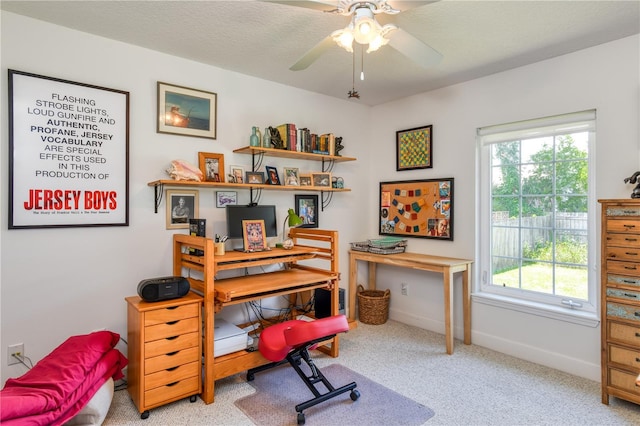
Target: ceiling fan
<point x="363" y="28"/>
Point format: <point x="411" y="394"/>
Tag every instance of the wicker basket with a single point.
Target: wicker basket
<point x="373" y="305"/>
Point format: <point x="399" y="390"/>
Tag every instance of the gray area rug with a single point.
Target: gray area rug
<point x="280" y="389"/>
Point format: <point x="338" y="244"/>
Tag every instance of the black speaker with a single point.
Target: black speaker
<point x="163" y="288"/>
<point x="322" y="301"/>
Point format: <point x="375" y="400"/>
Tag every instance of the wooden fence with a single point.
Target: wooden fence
<point x="507" y="234"/>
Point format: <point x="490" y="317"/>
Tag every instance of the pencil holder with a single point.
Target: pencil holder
<point x="218" y="249"/>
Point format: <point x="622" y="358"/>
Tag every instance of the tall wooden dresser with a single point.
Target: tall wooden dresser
<point x="620" y="287"/>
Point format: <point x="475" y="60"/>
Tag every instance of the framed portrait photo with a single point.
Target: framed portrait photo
<point x="182" y="205"/>
<point x="236" y="174"/>
<point x="254" y="177"/>
<point x="307" y="209"/>
<point x="305" y="180"/>
<point x="291" y="176"/>
<point x="414" y="148"/>
<point x="254" y="235"/>
<point x="185" y="111"/>
<point x="225" y="198"/>
<point x="272" y="176"/>
<point x="212" y="166"/>
<point x="321" y="180"/>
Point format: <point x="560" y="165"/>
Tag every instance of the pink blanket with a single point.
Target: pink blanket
<point x="61" y="384"/>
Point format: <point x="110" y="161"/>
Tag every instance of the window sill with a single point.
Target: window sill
<point x="587" y="319"/>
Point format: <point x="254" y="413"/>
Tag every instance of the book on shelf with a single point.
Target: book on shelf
<point x="326" y="144"/>
<point x="197" y="228"/>
<point x="289" y="135"/>
<point x="304" y="140"/>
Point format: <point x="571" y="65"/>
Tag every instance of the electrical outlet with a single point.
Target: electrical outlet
<point x="18" y="350"/>
<point x="405" y="289"/>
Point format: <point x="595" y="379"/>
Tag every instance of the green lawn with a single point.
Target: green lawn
<point x="570" y="282"/>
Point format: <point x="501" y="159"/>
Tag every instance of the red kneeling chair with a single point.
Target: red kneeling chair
<point x="290" y="341"/>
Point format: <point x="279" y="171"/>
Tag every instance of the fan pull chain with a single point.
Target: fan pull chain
<point x="362" y="63"/>
<point x="353" y="93"/>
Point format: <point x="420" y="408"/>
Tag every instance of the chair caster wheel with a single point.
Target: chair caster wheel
<point x="145" y="415"/>
<point x="355" y="394"/>
<point x="192" y="399"/>
<point x="301" y="419"/>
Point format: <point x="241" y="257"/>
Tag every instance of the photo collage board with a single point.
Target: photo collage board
<point x="417" y="208"/>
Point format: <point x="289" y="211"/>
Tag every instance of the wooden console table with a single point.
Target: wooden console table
<point x="446" y="266"/>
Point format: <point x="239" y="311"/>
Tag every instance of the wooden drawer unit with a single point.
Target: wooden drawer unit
<point x="165" y="351"/>
<point x="620" y="299"/>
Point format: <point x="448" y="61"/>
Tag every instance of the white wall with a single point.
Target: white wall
<point x="606" y="78"/>
<point x="59" y="282"/>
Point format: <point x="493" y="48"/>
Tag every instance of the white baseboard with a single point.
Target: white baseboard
<point x="561" y="362"/>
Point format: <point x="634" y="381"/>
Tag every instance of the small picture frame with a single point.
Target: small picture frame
<point x="272" y="176"/>
<point x="225" y="198"/>
<point x="307" y="209"/>
<point x="185" y="111"/>
<point x="236" y="174"/>
<point x="182" y="205"/>
<point x="321" y="180"/>
<point x="305" y="180"/>
<point x="291" y="176"/>
<point x="254" y="235"/>
<point x="414" y="148"/>
<point x="254" y="178"/>
<point x="212" y="166"/>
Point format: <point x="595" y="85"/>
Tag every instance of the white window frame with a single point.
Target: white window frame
<point x="510" y="298"/>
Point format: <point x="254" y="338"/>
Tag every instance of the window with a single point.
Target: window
<point x="537" y="241"/>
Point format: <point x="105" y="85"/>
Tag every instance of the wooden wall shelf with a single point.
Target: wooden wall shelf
<point x="258" y="154"/>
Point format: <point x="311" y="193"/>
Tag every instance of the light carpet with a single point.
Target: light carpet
<point x="280" y="389"/>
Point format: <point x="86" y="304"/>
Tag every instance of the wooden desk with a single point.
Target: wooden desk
<point x="318" y="245"/>
<point x="446" y="266"/>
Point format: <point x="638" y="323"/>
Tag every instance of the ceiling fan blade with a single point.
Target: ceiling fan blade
<point x="414" y="49"/>
<point x="323" y="5"/>
<point x="313" y="54"/>
<point x="408" y="4"/>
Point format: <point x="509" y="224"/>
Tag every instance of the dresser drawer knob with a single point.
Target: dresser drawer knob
<point x="630" y="253"/>
<point x="629" y="226"/>
<point x="631" y="239"/>
<point x="637" y="334"/>
<point x="628" y="281"/>
<point x="632" y="268"/>
<point x="630" y="295"/>
<point x="172" y="353"/>
<point x="636" y="314"/>
<point x="173" y="368"/>
<point x="173" y="384"/>
<point x="172" y="338"/>
<point x="173" y="322"/>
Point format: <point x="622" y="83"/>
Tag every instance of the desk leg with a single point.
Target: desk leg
<point x="353" y="276"/>
<point x="466" y="304"/>
<point x="448" y="309"/>
<point x="372" y="275"/>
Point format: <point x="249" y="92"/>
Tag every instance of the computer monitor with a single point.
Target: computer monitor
<point x="237" y="213"/>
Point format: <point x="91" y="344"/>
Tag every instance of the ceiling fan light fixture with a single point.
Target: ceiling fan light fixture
<point x="381" y="39"/>
<point x="344" y="38"/>
<point x="365" y="27"/>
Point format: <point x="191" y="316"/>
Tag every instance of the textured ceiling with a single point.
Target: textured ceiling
<point x="263" y="39"/>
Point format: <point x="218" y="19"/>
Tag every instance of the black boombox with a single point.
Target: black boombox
<point x="163" y="288"/>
